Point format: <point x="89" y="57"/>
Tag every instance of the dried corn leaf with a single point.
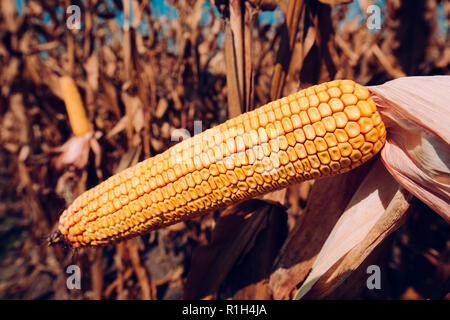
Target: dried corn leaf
<point x="8" y="11"/>
<point x="92" y="69"/>
<point x="248" y="279"/>
<point x="110" y="92"/>
<point x="73" y="152"/>
<point x="417" y="151"/>
<point x="374" y="211"/>
<point x="9" y="72"/>
<point x="14" y="129"/>
<point x="295" y="12"/>
<point x="391" y="220"/>
<point x="133" y="121"/>
<point x="161" y="108"/>
<point x="233" y="236"/>
<point x="306" y="239"/>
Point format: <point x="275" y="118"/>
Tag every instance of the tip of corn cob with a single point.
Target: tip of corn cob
<point x="319" y="131"/>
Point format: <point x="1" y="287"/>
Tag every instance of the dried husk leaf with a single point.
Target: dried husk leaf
<point x="74" y="151"/>
<point x="391" y="220"/>
<point x="417" y="152"/>
<point x="374" y="211"/>
<point x="304" y="242"/>
<point x="276" y="197"/>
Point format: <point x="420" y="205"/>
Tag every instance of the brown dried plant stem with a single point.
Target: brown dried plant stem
<point x="234" y="56"/>
<point x="294" y="13"/>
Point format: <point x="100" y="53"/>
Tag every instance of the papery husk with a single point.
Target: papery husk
<point x="75" y="151"/>
<point x="415" y="158"/>
<point x="375" y="211"/>
<point x="416" y="111"/>
<point x="310" y="232"/>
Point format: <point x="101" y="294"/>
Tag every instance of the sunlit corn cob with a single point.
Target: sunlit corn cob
<point x="320" y="131"/>
<point x="78" y="119"/>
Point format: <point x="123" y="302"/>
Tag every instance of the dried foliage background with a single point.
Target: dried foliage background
<point x="143" y="78"/>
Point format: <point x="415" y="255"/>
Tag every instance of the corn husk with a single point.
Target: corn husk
<point x="416" y="111"/>
<point x="415" y="158"/>
<point x="375" y="210"/>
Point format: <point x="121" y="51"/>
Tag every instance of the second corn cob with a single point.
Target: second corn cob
<point x="78" y="119"/>
<point x="320" y="131"/>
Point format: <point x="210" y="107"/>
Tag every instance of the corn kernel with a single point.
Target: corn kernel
<point x="322" y="130"/>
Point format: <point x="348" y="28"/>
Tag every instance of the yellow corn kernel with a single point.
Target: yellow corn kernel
<point x="323" y="130"/>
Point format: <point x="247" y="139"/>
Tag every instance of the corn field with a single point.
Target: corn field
<point x="90" y="88"/>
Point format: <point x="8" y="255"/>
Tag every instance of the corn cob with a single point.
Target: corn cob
<point x="74" y="105"/>
<point x="320" y="131"/>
